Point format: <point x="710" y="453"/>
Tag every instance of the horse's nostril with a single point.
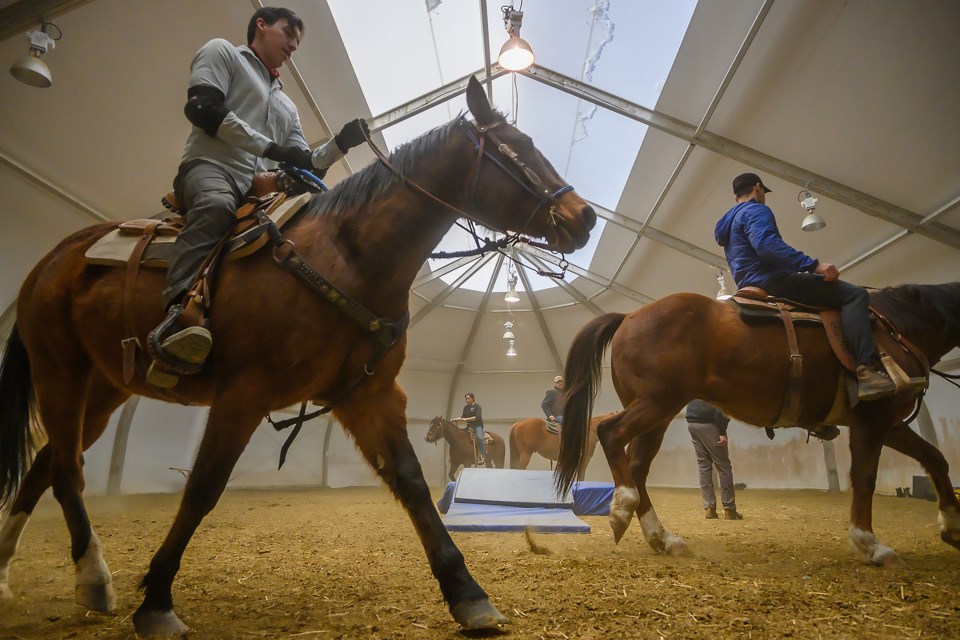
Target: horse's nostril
<point x="589" y="216"/>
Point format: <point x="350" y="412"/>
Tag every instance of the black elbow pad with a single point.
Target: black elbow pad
<point x="205" y="108"/>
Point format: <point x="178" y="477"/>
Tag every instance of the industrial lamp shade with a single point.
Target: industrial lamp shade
<point x="31" y="70"/>
<point x="511" y="351"/>
<point x="515" y="54"/>
<point x="508" y="335"/>
<point x="813" y="222"/>
<point x="512" y="295"/>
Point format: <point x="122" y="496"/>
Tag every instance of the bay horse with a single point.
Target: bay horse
<point x="687" y="346"/>
<point x="530" y="436"/>
<point x="461" y="446"/>
<point x="277" y="343"/>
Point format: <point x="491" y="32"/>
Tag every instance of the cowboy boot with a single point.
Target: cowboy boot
<point x="179" y="350"/>
<point x="873" y="384"/>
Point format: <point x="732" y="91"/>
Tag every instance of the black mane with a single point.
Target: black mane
<point x="918" y="308"/>
<point x="371" y="181"/>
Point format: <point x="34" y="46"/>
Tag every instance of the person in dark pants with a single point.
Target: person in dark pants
<point x="552" y="404"/>
<point x="708" y="430"/>
<point x="759" y="257"/>
<point x="243" y="123"/>
<point x="473" y="415"/>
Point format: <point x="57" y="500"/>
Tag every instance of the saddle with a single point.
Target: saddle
<point x="905" y="364"/>
<point x="118" y="246"/>
<point x="487" y="440"/>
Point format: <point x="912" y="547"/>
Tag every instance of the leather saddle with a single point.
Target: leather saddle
<point x="119" y="245"/>
<point x="905" y="364"/>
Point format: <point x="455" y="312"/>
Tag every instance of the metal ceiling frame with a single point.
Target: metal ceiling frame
<point x="538" y="312"/>
<point x="23" y="15"/>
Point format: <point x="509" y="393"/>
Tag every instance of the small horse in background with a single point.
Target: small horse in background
<point x="530" y="436"/>
<point x="687" y="346"/>
<point x="462" y="453"/>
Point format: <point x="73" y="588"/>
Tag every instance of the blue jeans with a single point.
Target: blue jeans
<point x="852" y="300"/>
<point x="481" y="445"/>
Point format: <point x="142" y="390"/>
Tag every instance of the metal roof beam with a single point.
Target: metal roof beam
<point x="450" y="288"/>
<point x="589" y="275"/>
<point x="442" y="271"/>
<point x="544" y="329"/>
<point x="50" y="187"/>
<point x="572" y="290"/>
<point x="25" y="14"/>
<point x="718" y="144"/>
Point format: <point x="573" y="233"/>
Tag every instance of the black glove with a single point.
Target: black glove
<point x="289" y="154"/>
<point x="353" y="133"/>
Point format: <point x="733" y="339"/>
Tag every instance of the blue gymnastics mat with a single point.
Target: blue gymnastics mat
<point x="510" y="500"/>
<point x="589" y="498"/>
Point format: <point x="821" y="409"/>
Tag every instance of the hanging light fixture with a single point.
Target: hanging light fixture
<point x="30" y="69"/>
<point x="512" y="295"/>
<point x="813" y="221"/>
<point x="511" y="350"/>
<point x="508" y="331"/>
<point x="515" y="54"/>
<point x="723" y="294"/>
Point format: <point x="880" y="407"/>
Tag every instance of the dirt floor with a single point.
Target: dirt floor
<point x="345" y="563"/>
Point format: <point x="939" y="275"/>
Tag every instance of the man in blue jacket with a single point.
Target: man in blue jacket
<point x="758" y="257"/>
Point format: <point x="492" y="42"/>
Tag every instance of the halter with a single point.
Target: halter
<point x="532" y="183"/>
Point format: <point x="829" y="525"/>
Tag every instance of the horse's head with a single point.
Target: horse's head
<point x="516" y="189"/>
<point x="435" y="430"/>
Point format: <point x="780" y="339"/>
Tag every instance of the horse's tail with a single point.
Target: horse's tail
<point x="18" y="410"/>
<point x="514" y="452"/>
<point x="582" y="379"/>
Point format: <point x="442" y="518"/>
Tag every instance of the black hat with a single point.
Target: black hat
<point x="745" y="181"/>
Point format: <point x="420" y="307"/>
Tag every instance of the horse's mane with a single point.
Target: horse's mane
<point x="917" y="308"/>
<point x="374" y="179"/>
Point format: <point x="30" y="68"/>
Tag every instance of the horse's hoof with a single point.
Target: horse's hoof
<point x="477" y="614"/>
<point x="619" y="528"/>
<point x="889" y="559"/>
<point x="5" y="592"/>
<point x="952" y="538"/>
<point x="675" y="546"/>
<point x="96" y="597"/>
<point x="159" y="623"/>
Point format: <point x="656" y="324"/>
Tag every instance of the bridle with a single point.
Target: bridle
<point x="530" y="181"/>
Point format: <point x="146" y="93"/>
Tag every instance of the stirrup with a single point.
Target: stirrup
<point x="161" y="378"/>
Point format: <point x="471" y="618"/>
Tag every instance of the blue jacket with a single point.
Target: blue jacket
<point x="754" y="249"/>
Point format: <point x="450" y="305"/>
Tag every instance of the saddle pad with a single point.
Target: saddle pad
<point x="752" y="310"/>
<point x="116" y="246"/>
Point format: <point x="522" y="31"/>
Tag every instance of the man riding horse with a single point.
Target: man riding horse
<point x="243" y="123"/>
<point x="758" y="257"/>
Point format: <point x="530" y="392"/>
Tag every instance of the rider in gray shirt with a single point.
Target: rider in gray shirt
<point x="243" y="123"/>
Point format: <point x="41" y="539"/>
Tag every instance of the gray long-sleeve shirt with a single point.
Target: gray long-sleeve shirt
<point x="260" y="113"/>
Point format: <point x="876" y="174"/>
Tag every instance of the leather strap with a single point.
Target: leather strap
<point x="130" y="342"/>
<point x="790" y="414"/>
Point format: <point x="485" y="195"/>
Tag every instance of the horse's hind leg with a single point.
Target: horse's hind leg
<point x="643" y="448"/>
<point x="101" y="403"/>
<point x="866" y="442"/>
<point x="614" y="434"/>
<point x="376" y="420"/>
<point x="903" y="439"/>
<point x="231" y="422"/>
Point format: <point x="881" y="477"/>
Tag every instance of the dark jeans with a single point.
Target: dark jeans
<point x="853" y="302"/>
<point x="211" y="197"/>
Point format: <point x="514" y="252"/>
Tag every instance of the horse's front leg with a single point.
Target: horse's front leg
<point x="233" y="419"/>
<point x="374" y="415"/>
<point x="643" y="448"/>
<point x="866" y="442"/>
<point x="614" y="434"/>
<point x="903" y="439"/>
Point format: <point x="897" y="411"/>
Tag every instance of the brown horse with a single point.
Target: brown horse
<point x="277" y="343"/>
<point x="530" y="436"/>
<point x="461" y="446"/>
<point x="686" y="346"/>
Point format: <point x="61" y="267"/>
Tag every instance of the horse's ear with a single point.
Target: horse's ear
<point x="477" y="102"/>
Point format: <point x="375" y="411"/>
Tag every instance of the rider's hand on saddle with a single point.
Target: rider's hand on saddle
<point x="289" y="154"/>
<point x="828" y="271"/>
<point x="353" y="133"/>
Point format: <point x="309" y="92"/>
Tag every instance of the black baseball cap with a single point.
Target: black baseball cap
<point x="745" y="181"/>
